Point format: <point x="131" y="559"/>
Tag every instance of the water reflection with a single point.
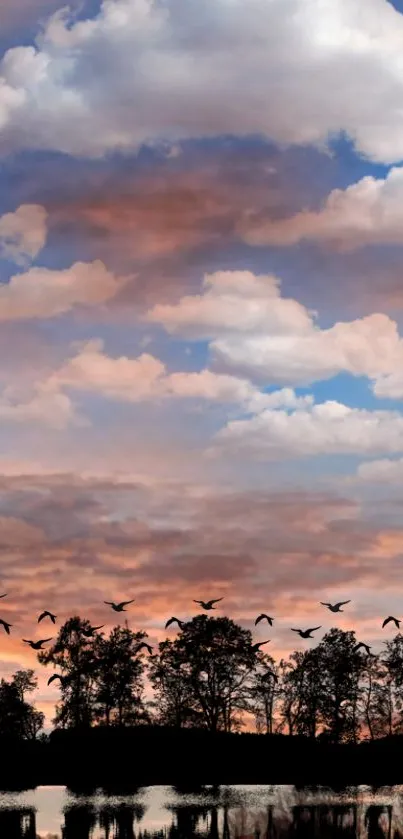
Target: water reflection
<point x="277" y="812"/>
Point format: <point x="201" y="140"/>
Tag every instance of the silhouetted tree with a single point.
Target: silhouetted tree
<point x="73" y="656"/>
<point x="17" y="716"/>
<point x="392" y="693"/>
<point x="339" y="667"/>
<point x="119" y="673"/>
<point x="214" y="660"/>
<point x="176" y="704"/>
<point x="263" y="693"/>
<point x="302" y="690"/>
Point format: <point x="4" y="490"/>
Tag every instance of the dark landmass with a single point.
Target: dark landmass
<point x="124" y="760"/>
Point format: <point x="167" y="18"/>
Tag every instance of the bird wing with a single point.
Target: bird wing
<point x="217" y="600"/>
<point x="325" y="604"/>
<point x="25" y="640"/>
<point x="296" y="630"/>
<point x="343" y="602"/>
<point x="94" y="628"/>
<point x="44" y="640"/>
<point x="168" y="623"/>
<point x="52" y="678"/>
<point x="126" y="602"/>
<point x="314" y="628"/>
<point x="387" y="620"/>
<point x="108" y="603"/>
<point x="3" y="595"/>
<point x="198" y="601"/>
<point x="41" y="616"/>
<point x="258" y="619"/>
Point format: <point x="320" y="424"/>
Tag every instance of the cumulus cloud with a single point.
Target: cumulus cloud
<point x="147" y="378"/>
<point x="367" y="212"/>
<point x="23" y="233"/>
<point x="140" y="70"/>
<point x="325" y="428"/>
<point x="255" y="332"/>
<point x="383" y="471"/>
<point x="44" y="406"/>
<point x="46" y="293"/>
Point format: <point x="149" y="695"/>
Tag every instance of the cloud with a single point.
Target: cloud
<point x="366" y="213"/>
<point x="255" y="332"/>
<point x="381" y="471"/>
<point x="147" y="378"/>
<point x="140" y="71"/>
<point x="325" y="428"/>
<point x="45" y="406"/>
<point x="23" y="233"/>
<point x="46" y="293"/>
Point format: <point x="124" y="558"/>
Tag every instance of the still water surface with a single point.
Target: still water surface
<point x="238" y="812"/>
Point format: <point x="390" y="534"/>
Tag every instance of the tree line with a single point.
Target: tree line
<point x="212" y="677"/>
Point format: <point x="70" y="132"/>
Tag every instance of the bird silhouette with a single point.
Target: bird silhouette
<point x="365" y="646"/>
<point x="47" y="614"/>
<point x="118" y="607"/>
<point x="269" y="674"/>
<point x="181" y="624"/>
<point x="36" y="645"/>
<point x="6" y="626"/>
<point x="335" y="607"/>
<point x="208" y="604"/>
<point x="3" y="595"/>
<point x="143" y="646"/>
<point x="306" y="633"/>
<point x="256" y="647"/>
<point x="262" y="617"/>
<point x="397" y="621"/>
<point x="89" y="632"/>
<point x="63" y="679"/>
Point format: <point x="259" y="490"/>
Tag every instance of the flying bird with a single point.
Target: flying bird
<point x="209" y="604"/>
<point x="256" y="647"/>
<point x="47" y="614"/>
<point x="264" y="617"/>
<point x="181" y="624"/>
<point x="397" y="621"/>
<point x="306" y="633"/>
<point x="36" y="645"/>
<point x="143" y="646"/>
<point x="63" y="679"/>
<point x="335" y="607"/>
<point x="89" y="633"/>
<point x="119" y="607"/>
<point x="6" y="626"/>
<point x="270" y="674"/>
<point x="365" y="646"/>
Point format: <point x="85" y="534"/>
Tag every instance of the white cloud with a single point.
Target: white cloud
<point x="256" y="333"/>
<point x="367" y="212"/>
<point x="142" y="70"/>
<point x="146" y="378"/>
<point x="323" y="429"/>
<point x="45" y="407"/>
<point x="46" y="293"/>
<point x="23" y="233"/>
<point x="381" y="471"/>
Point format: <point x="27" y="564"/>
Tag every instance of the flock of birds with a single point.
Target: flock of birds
<point x="207" y="605"/>
<point x="304" y="633"/>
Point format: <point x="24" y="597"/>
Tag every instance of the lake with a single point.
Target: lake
<point x="238" y="812"/>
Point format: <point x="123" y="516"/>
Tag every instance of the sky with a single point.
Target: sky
<point x="201" y="314"/>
